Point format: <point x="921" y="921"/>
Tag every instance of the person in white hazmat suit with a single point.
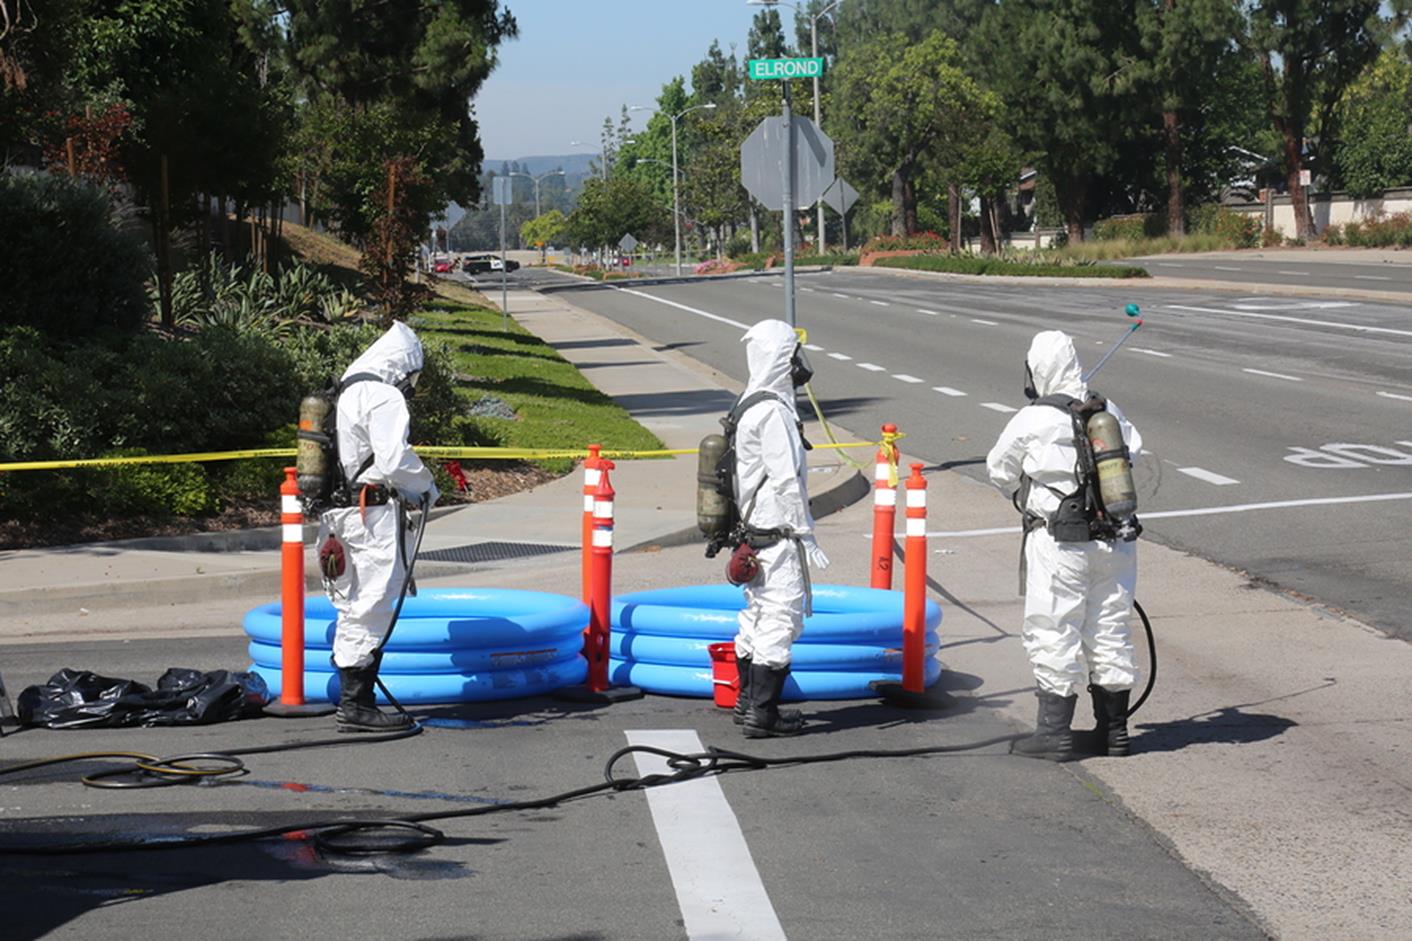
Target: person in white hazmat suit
<point x="771" y="487"/>
<point x="381" y="469"/>
<point x="1078" y="594"/>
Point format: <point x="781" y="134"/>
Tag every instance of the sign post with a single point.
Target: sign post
<point x="841" y="197"/>
<point x="503" y="195"/>
<point x="802" y="175"/>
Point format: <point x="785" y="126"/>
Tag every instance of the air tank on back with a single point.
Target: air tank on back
<point x="311" y="457"/>
<point x="713" y="510"/>
<point x="1115" y="474"/>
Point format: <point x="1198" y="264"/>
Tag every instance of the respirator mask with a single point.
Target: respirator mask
<point x="800" y="372"/>
<point x="1031" y="392"/>
<point x="408" y="385"/>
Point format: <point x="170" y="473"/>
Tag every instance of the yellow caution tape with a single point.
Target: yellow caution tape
<point x="435" y="452"/>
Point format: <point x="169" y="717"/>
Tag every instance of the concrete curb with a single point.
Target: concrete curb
<point x="673" y="279"/>
<point x="1161" y="284"/>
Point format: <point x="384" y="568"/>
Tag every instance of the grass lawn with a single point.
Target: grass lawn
<point x="555" y="406"/>
<point x="970" y="264"/>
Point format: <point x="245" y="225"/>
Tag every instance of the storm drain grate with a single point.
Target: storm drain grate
<point x="493" y="551"/>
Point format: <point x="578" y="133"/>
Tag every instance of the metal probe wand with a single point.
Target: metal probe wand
<point x="1132" y="310"/>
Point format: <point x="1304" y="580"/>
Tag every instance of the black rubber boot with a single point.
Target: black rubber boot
<point x="1052" y="740"/>
<point x="356" y="709"/>
<point x="765" y="718"/>
<point x="742" y="699"/>
<point x="1115" y="717"/>
<point x="1094" y="741"/>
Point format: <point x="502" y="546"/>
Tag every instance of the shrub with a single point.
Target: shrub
<point x="969" y="264"/>
<point x="159" y="490"/>
<point x="920" y="241"/>
<point x="67" y="267"/>
<point x="832" y="258"/>
<point x="1270" y="238"/>
<point x="1333" y="235"/>
<point x="1380" y="232"/>
<point x="1134" y="226"/>
<point x="1235" y="229"/>
<point x="247" y="299"/>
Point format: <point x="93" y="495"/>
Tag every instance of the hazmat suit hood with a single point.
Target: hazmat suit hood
<point x="769" y="349"/>
<point x="1054" y="365"/>
<point x="393" y="357"/>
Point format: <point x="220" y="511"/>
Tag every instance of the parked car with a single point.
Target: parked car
<point x="441" y="267"/>
<point x="485" y="263"/>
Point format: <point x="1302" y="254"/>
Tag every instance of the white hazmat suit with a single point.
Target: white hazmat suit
<point x="1078" y="595"/>
<point x="373" y="421"/>
<point x="771" y="485"/>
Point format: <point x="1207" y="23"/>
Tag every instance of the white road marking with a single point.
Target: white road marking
<point x="1394" y="395"/>
<point x="1298" y="274"/>
<point x="903" y="377"/>
<point x="1167" y="264"/>
<point x="1292" y="305"/>
<point x="840" y="356"/>
<point x="1370" y="277"/>
<point x="872" y="367"/>
<point x="810" y="290"/>
<point x="691" y="310"/>
<point x="1224" y="268"/>
<point x="1202" y="511"/>
<point x="1201" y="473"/>
<point x="1313" y="323"/>
<point x="998" y="407"/>
<point x="947" y="390"/>
<point x="988" y="323"/>
<point x="718" y="888"/>
<point x="929" y="313"/>
<point x="1143" y="349"/>
<point x="1272" y="375"/>
<point x="880" y="303"/>
<point x="844" y="296"/>
<point x="813" y="347"/>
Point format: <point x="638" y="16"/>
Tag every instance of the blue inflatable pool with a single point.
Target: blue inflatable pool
<point x="854" y="638"/>
<point x="450" y="645"/>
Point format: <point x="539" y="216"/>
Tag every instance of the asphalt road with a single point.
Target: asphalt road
<point x="1295" y="269"/>
<point x="966" y="847"/>
<point x="1278" y="426"/>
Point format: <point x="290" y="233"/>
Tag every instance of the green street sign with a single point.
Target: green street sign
<point x="765" y="69"/>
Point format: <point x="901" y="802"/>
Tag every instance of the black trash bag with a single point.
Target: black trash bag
<point x="74" y="699"/>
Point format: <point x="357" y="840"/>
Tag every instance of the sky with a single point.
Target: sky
<point x="576" y="63"/>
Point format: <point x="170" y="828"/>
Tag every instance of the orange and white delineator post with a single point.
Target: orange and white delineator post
<point x="291" y="682"/>
<point x="590" y="487"/>
<point x="600" y="605"/>
<point x="884" y="509"/>
<point x="914" y="599"/>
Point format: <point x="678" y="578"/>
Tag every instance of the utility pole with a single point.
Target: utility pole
<point x="788" y="210"/>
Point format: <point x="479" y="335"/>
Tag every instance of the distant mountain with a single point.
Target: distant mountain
<point x="574" y="165"/>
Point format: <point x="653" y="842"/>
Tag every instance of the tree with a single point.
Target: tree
<point x="898" y="103"/>
<point x="1310" y="51"/>
<point x="609" y="209"/>
<point x="1375" y="151"/>
<point x="1184" y="43"/>
<point x="711" y="181"/>
<point x="1066" y="73"/>
<point x="544" y="230"/>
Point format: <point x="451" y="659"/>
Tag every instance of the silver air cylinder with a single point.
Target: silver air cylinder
<point x="1115" y="474"/>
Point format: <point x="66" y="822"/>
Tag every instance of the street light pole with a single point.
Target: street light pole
<point x="676" y="202"/>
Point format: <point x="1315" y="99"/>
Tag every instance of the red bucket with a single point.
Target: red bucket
<point x="725" y="680"/>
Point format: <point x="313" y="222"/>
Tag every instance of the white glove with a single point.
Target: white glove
<point x="432" y="495"/>
<point x="816" y="556"/>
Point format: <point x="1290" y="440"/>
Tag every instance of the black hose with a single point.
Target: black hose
<point x="332" y="834"/>
<point x="1151" y="660"/>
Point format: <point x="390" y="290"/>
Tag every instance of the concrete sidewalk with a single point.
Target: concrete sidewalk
<point x="44" y="590"/>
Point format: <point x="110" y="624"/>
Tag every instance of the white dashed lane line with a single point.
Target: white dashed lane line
<point x="872" y="367"/>
<point x="988" y="323"/>
<point x="1297" y="274"/>
<point x="844" y="357"/>
<point x="903" y="377"/>
<point x="947" y="390"/>
<point x="998" y="407"/>
<point x="929" y="313"/>
<point x="1370" y="277"/>
<point x="1224" y="268"/>
<point x="1201" y="473"/>
<point x="844" y="296"/>
<point x="1162" y="264"/>
<point x="813" y="347"/>
<point x="1272" y="375"/>
<point x="1394" y="395"/>
<point x="1143" y="349"/>
<point x="880" y="303"/>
